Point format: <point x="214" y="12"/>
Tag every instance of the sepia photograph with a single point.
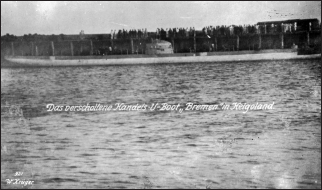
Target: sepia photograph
<point x="161" y="95"/>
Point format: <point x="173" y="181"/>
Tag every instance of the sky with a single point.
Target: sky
<point x="53" y="17"/>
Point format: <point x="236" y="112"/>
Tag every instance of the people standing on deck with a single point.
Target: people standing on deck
<point x="190" y="32"/>
<point x="209" y="30"/>
<point x="174" y="32"/>
<point x="257" y="31"/>
<point x="222" y="30"/>
<point x="158" y="33"/>
<point x="290" y="28"/>
<point x="231" y="30"/>
<point x="139" y="33"/>
<point x="170" y="33"/>
<point x="203" y="30"/>
<point x="120" y="34"/>
<point x="163" y="33"/>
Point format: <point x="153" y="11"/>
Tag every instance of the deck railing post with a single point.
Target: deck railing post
<point x="308" y="38"/>
<point x="81" y="48"/>
<point x="53" y="48"/>
<point x="216" y="47"/>
<point x="237" y="46"/>
<point x="91" y="53"/>
<point x="194" y="43"/>
<point x="282" y="40"/>
<point x="32" y="48"/>
<point x="132" y="48"/>
<point x="112" y="42"/>
<point x="71" y="49"/>
<point x="172" y="43"/>
<point x="12" y="49"/>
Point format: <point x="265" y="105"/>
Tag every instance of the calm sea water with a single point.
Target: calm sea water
<point x="278" y="148"/>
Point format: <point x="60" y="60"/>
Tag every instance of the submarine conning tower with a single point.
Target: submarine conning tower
<point x="159" y="47"/>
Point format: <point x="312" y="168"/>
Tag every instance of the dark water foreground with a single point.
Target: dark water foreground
<point x="278" y="148"/>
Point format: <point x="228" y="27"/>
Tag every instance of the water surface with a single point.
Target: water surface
<point x="279" y="148"/>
